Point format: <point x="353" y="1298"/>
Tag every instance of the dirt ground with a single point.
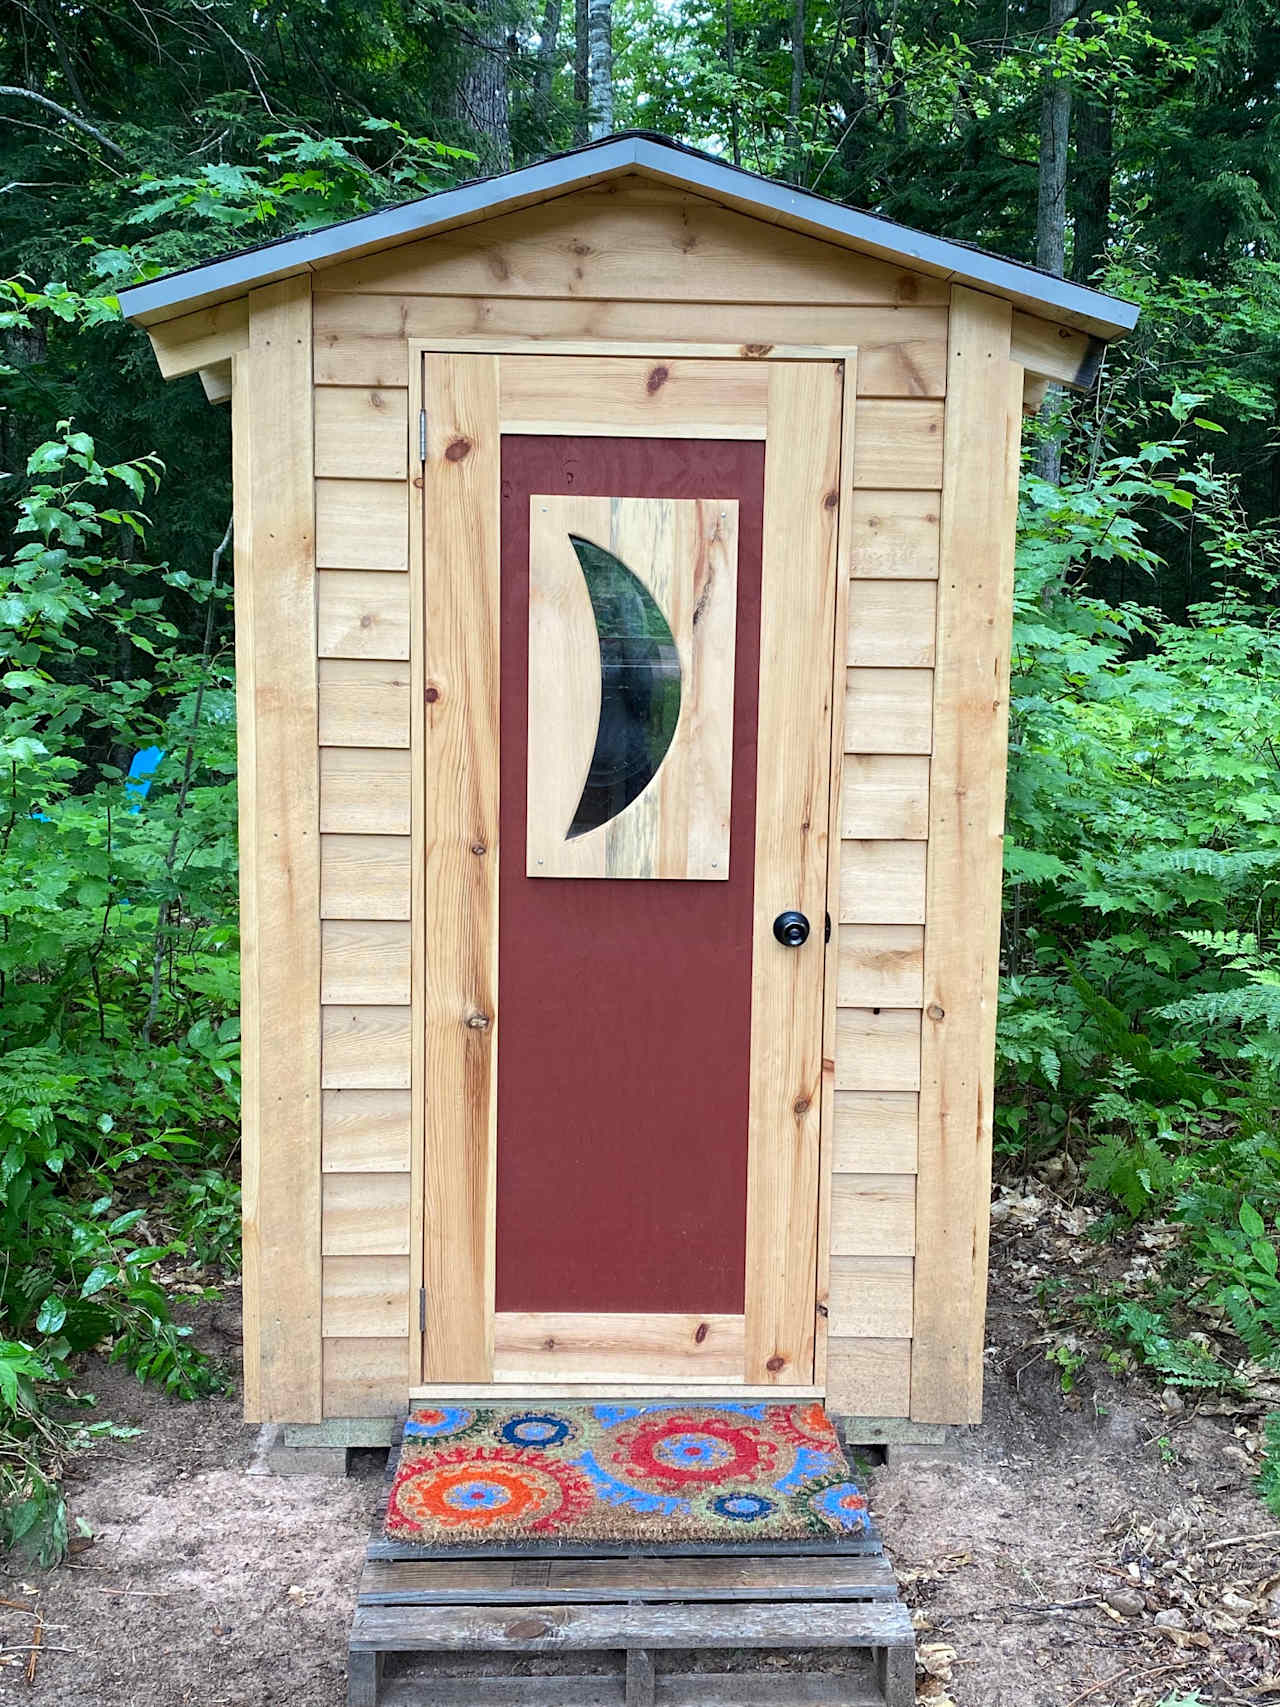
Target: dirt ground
<point x="1102" y="1547"/>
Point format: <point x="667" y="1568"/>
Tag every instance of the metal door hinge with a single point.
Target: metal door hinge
<point x="422" y="1310"/>
<point x="422" y="435"/>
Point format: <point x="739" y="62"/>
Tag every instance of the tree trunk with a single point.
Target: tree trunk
<point x="734" y="141"/>
<point x="1091" y="195"/>
<point x="797" y="88"/>
<point x="1051" y="208"/>
<point x="600" y="67"/>
<point x="482" y="94"/>
<point x="581" y="82"/>
<point x="544" y="70"/>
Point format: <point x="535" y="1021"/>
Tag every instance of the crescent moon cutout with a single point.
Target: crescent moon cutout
<point x="639" y="687"/>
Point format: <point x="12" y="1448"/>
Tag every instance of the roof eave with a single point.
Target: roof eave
<point x="1039" y="293"/>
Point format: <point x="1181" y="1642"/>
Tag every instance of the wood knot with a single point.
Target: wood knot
<point x="377" y="400"/>
<point x="701" y="1332"/>
<point x="457" y="449"/>
<point x="479" y="848"/>
<point x="800" y="1106"/>
<point x="366" y="621"/>
<point x="908" y="287"/>
<point x="831" y="500"/>
<point x="477" y="1021"/>
<point x="757" y="351"/>
<point x="526" y="1629"/>
<point x="431" y="694"/>
<point x="658" y="377"/>
<point x="775" y="1363"/>
<point x="823" y="1311"/>
<point x="936" y="1012"/>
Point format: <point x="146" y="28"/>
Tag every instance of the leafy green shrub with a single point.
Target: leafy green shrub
<point x="1140" y="1017"/>
<point x="119" y="1069"/>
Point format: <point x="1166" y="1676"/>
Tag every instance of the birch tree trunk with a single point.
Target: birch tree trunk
<point x="1051" y="206"/>
<point x="600" y="67"/>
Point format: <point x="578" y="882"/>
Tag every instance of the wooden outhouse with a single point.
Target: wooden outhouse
<point x="623" y="560"/>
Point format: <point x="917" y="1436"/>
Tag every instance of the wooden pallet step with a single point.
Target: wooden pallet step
<point x="671" y="1689"/>
<point x="540" y="1628"/>
<point x="843" y="1546"/>
<point x="495" y="1582"/>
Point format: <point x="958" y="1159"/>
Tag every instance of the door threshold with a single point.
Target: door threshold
<point x="677" y="1391"/>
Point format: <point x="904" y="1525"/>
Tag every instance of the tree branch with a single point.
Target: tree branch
<point x="66" y="113"/>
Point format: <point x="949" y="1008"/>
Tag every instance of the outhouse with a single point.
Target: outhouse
<point x="623" y="569"/>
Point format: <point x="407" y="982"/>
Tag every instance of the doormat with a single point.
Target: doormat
<point x="704" y="1477"/>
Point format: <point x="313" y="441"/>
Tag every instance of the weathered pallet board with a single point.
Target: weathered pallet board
<point x="541" y="1627"/>
<point x="671" y="1689"/>
<point x="838" y="1545"/>
<point x="483" y="1582"/>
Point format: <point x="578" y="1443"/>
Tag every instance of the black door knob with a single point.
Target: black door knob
<point x="791" y="928"/>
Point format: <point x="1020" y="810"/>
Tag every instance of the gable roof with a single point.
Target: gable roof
<point x="667" y="162"/>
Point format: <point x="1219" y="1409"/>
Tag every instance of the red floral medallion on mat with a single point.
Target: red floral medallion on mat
<point x="677" y="1450"/>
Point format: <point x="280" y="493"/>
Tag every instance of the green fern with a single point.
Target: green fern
<point x="1268" y="1483"/>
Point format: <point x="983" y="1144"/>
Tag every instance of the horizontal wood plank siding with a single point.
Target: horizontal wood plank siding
<point x="884" y="826"/>
<point x="365" y="634"/>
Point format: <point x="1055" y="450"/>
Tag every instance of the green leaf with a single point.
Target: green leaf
<point x="98" y="1277"/>
<point x="1251" y="1222"/>
<point x="53" y="1313"/>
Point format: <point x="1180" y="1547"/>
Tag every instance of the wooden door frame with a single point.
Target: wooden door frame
<point x="767" y="1384"/>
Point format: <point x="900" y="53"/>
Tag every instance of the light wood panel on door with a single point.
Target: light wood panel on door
<point x="543" y="1346"/>
<point x="685" y="552"/>
<point x="459" y="839"/>
<point x="661" y="397"/>
<point x="802" y="486"/>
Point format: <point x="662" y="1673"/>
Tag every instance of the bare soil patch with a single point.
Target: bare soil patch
<point x="1080" y="1550"/>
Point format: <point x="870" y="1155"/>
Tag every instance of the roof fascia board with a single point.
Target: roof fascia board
<point x="1039" y="293"/>
<point x="173" y="295"/>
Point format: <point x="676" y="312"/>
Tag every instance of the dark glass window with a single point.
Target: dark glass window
<point x="639" y="687"/>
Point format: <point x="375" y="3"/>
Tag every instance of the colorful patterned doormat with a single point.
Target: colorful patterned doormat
<point x="617" y="1476"/>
